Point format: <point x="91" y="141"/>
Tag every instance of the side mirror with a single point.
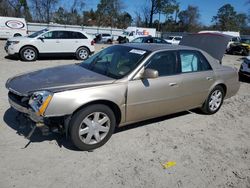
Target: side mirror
<point x="41" y="38"/>
<point x="150" y="73"/>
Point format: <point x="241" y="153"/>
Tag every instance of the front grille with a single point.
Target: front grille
<point x="21" y="100"/>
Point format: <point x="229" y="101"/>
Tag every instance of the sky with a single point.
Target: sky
<point x="207" y="8"/>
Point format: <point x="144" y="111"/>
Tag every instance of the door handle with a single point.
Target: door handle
<point x="57" y="42"/>
<point x="209" y="78"/>
<point x="173" y="84"/>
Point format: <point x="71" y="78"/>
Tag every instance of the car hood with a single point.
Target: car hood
<point x="213" y="43"/>
<point x="56" y="79"/>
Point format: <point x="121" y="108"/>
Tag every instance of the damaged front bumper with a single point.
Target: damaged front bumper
<point x="27" y="111"/>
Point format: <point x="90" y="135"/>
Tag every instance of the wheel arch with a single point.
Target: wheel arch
<point x="29" y="46"/>
<point x="84" y="47"/>
<point x="17" y="34"/>
<point x="113" y="106"/>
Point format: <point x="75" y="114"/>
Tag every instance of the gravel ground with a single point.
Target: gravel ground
<point x="209" y="151"/>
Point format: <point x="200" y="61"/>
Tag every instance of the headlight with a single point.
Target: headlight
<point x="13" y="42"/>
<point x="39" y="101"/>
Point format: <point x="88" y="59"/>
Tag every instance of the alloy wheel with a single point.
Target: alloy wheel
<point x="94" y="128"/>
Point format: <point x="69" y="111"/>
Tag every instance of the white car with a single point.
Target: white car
<point x="174" y="39"/>
<point x="51" y="42"/>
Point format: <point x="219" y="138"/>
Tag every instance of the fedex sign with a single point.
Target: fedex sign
<point x="143" y="32"/>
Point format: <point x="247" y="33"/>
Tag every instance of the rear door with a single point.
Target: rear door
<point x="197" y="76"/>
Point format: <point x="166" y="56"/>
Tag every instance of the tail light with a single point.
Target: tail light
<point x="92" y="42"/>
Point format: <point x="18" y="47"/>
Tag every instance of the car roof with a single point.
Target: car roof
<point x="65" y="29"/>
<point x="158" y="46"/>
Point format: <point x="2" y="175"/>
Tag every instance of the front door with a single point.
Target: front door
<point x="48" y="43"/>
<point x="148" y="98"/>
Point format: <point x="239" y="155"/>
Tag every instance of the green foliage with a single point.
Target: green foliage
<point x="189" y="19"/>
<point x="228" y="19"/>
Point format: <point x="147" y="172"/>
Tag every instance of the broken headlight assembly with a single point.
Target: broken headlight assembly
<point x="39" y="101"/>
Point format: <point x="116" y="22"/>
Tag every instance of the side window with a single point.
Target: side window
<point x="137" y="40"/>
<point x="164" y="62"/>
<point x="63" y="35"/>
<point x="149" y="40"/>
<point x="77" y="35"/>
<point x="48" y="35"/>
<point x="159" y="40"/>
<point x="192" y="61"/>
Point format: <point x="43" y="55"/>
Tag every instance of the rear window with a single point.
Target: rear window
<point x="78" y="35"/>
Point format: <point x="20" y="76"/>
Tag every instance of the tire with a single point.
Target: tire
<point x="211" y="106"/>
<point x="17" y="35"/>
<point x="86" y="131"/>
<point x="245" y="52"/>
<point x="82" y="53"/>
<point x="28" y="54"/>
<point x="109" y="41"/>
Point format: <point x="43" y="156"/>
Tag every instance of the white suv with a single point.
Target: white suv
<point x="51" y="42"/>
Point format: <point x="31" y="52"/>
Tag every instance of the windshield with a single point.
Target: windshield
<point x="115" y="61"/>
<point x="37" y="33"/>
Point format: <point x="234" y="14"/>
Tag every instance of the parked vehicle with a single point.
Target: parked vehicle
<point x="123" y="84"/>
<point x="133" y="32"/>
<point x="51" y="42"/>
<point x="245" y="41"/>
<point x="149" y="39"/>
<point x="244" y="71"/>
<point x="12" y="27"/>
<point x="174" y="39"/>
<point x="103" y="38"/>
<point x="238" y="48"/>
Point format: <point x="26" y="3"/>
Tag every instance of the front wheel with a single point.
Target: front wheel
<point x="92" y="127"/>
<point x="82" y="53"/>
<point x="28" y="54"/>
<point x="214" y="100"/>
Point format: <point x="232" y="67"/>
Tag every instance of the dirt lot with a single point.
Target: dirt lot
<point x="209" y="151"/>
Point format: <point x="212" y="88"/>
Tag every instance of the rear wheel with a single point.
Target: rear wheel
<point x="214" y="100"/>
<point x="17" y="35"/>
<point x="28" y="54"/>
<point x="82" y="53"/>
<point x="92" y="127"/>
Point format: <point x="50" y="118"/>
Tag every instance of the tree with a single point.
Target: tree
<point x="157" y="6"/>
<point x="43" y="9"/>
<point x="6" y="9"/>
<point x="108" y="12"/>
<point x="16" y="8"/>
<point x="228" y="19"/>
<point x="124" y="20"/>
<point x="89" y="17"/>
<point x="189" y="19"/>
